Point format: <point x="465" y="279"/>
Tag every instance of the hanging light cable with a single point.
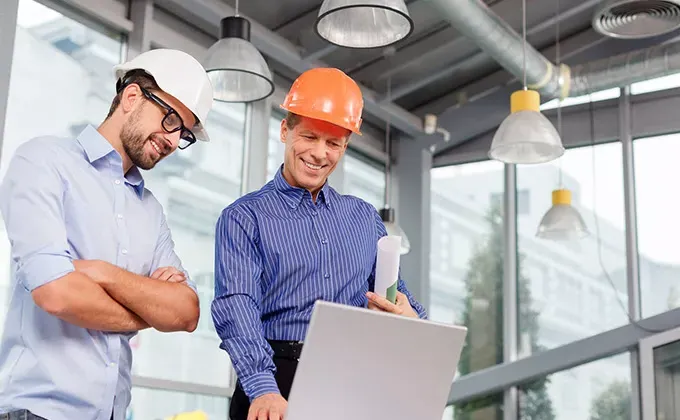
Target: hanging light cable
<point x="525" y="136"/>
<point x="387" y="213"/>
<point x="363" y="24"/>
<point x="562" y="221"/>
<point x="236" y="68"/>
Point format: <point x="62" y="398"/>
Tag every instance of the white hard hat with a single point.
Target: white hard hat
<point x="180" y="75"/>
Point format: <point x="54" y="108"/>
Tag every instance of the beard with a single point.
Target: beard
<point x="134" y="141"/>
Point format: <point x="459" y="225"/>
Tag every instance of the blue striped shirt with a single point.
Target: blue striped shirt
<point x="276" y="253"/>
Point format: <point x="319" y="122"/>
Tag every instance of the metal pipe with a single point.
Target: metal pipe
<point x="495" y="37"/>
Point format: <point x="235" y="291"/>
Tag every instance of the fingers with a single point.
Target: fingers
<point x="383" y="304"/>
<point x="159" y="271"/>
<point x="170" y="274"/>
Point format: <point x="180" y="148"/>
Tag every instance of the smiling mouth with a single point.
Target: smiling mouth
<point x="312" y="166"/>
<point x="156" y="147"/>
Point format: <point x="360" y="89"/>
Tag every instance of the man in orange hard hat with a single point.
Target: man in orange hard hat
<point x="293" y="242"/>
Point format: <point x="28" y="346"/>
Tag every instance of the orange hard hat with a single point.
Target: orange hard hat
<point x="326" y="94"/>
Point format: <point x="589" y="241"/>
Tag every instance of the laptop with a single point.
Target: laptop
<point x="360" y="364"/>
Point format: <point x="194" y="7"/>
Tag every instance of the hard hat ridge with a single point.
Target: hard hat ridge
<point x="326" y="94"/>
<point x="178" y="74"/>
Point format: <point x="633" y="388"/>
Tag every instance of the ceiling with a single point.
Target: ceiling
<point x="436" y="70"/>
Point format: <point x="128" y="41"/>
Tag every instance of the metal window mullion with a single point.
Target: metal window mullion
<point x="632" y="267"/>
<point x="8" y="27"/>
<point x="510" y="298"/>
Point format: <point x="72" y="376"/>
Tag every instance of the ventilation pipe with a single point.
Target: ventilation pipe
<point x="495" y="37"/>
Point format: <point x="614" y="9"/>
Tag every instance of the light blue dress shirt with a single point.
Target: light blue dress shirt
<point x="64" y="199"/>
<point x="276" y="253"/>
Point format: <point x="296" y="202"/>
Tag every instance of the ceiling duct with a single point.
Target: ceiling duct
<point x="494" y="36"/>
<point x="632" y="19"/>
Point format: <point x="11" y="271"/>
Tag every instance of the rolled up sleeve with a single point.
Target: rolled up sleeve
<point x="31" y="202"/>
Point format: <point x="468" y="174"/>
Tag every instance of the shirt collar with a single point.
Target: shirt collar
<point x="96" y="147"/>
<point x="293" y="195"/>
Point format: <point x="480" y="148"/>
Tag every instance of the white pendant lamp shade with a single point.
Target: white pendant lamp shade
<point x="236" y="68"/>
<point x="387" y="216"/>
<point x="363" y="24"/>
<point x="562" y="222"/>
<point x="526" y="136"/>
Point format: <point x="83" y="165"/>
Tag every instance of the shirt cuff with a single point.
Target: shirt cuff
<point x="260" y="384"/>
<point x="42" y="269"/>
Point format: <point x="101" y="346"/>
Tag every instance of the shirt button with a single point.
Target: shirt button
<point x="123" y="251"/>
<point x="326" y="276"/>
<point x="323" y="241"/>
<point x="117" y="182"/>
<point x="112" y="364"/>
<point x="120" y="216"/>
<point x="313" y="213"/>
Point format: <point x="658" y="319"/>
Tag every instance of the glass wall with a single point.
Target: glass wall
<point x="571" y="289"/>
<point x="61" y="80"/>
<point x="466" y="259"/>
<point x="658" y="225"/>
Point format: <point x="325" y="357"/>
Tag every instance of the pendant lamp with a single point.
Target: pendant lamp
<point x="525" y="136"/>
<point x="562" y="222"/>
<point x="387" y="214"/>
<point x="363" y="23"/>
<point x="388" y="217"/>
<point x="236" y="68"/>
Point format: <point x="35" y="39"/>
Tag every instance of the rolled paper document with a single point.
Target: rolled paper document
<point x="387" y="267"/>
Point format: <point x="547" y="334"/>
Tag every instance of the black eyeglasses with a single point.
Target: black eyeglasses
<point x="172" y="121"/>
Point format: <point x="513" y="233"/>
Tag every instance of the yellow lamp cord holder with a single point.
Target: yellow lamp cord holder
<point x="525" y="100"/>
<point x="561" y="197"/>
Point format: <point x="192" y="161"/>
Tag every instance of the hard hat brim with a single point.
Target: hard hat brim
<point x="322" y="117"/>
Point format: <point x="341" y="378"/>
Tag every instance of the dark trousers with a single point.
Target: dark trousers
<point x="286" y="357"/>
<point x="23" y="415"/>
<point x="20" y="415"/>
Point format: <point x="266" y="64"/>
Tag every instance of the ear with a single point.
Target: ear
<point x="130" y="98"/>
<point x="284" y="130"/>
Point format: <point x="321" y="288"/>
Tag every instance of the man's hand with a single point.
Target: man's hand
<point x="268" y="407"/>
<point x="170" y="274"/>
<point x="400" y="307"/>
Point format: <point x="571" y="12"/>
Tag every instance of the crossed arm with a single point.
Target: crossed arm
<point x="91" y="294"/>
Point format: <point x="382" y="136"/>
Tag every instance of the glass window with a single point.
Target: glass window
<point x="61" y="77"/>
<point x="577" y="100"/>
<point x="364" y="180"/>
<point x="658" y="225"/>
<point x="160" y="404"/>
<point x="656" y="84"/>
<point x="194" y="185"/>
<point x="486" y="408"/>
<point x="596" y="391"/>
<point x="275" y="146"/>
<point x="563" y="285"/>
<point x="467" y="276"/>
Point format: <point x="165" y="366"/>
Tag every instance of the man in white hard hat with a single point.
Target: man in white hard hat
<point x="93" y="258"/>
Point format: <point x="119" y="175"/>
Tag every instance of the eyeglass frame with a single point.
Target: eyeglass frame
<point x="185" y="134"/>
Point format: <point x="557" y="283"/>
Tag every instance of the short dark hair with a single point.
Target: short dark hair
<point x="292" y="120"/>
<point x="138" y="77"/>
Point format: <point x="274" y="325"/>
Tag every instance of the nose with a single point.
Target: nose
<point x="171" y="141"/>
<point x="319" y="150"/>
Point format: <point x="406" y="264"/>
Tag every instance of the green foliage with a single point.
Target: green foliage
<point x="613" y="403"/>
<point x="483" y="315"/>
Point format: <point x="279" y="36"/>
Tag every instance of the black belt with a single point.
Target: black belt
<point x="286" y="349"/>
